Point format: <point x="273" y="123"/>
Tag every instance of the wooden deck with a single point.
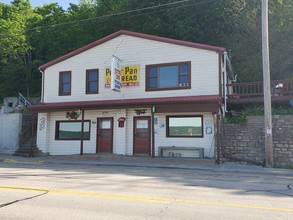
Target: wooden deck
<point x="252" y="92"/>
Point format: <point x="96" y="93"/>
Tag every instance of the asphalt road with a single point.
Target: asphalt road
<point x="60" y="191"/>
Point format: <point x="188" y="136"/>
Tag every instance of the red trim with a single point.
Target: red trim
<point x="134" y="34"/>
<point x="124" y="103"/>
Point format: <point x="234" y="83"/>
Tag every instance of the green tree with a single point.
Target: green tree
<point x="31" y="37"/>
<point x="15" y="58"/>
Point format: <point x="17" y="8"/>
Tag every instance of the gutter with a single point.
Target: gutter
<point x="43" y="85"/>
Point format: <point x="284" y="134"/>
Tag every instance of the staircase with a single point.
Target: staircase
<point x="27" y="137"/>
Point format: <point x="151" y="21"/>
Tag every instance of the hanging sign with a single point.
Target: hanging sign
<point x="129" y="76"/>
<point x="116" y="74"/>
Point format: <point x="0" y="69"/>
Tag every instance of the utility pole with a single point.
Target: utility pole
<point x="267" y="87"/>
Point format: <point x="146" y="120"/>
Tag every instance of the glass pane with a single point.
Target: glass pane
<point x="183" y="69"/>
<point x="66" y="88"/>
<point x="168" y="76"/>
<point x="152" y="72"/>
<point x="185" y="126"/>
<point x="142" y="123"/>
<point x="93" y="87"/>
<point x="92" y="76"/>
<point x="66" y="77"/>
<point x="105" y="124"/>
<point x="183" y="79"/>
<point x="72" y="130"/>
<point x="153" y="83"/>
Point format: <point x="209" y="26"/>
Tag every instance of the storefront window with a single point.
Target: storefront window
<point x="71" y="130"/>
<point x="184" y="126"/>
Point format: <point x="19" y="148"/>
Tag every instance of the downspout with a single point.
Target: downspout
<point x="222" y="113"/>
<point x="153" y="134"/>
<point x="43" y="85"/>
<point x="223" y="150"/>
<point x="225" y="81"/>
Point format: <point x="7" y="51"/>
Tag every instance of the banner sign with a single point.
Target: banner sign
<point x="116" y="76"/>
<point x="129" y="76"/>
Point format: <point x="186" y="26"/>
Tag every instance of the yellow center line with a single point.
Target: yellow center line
<point x="142" y="198"/>
<point x="22" y="162"/>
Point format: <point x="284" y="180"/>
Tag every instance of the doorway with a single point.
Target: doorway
<point x="141" y="135"/>
<point x="104" y="135"/>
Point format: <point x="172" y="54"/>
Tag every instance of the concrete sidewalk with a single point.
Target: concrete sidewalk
<point x="137" y="161"/>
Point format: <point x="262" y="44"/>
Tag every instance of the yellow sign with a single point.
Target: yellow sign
<point x="129" y="76"/>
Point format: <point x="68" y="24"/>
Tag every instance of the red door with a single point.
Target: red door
<point x="104" y="135"/>
<point x="141" y="132"/>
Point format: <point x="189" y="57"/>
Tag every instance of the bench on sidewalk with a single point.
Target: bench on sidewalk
<point x="176" y="151"/>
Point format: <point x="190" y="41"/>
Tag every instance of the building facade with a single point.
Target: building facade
<point x="164" y="93"/>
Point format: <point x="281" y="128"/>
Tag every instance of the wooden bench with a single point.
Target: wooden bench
<point x="174" y="151"/>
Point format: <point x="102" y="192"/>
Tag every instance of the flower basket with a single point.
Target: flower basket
<point x="72" y="115"/>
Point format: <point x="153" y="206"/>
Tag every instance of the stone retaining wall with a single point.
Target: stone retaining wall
<point x="247" y="141"/>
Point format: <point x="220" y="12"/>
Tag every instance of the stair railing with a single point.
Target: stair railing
<point x="23" y="100"/>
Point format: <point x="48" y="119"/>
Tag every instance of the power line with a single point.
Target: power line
<point x="124" y="13"/>
<point x="121" y="13"/>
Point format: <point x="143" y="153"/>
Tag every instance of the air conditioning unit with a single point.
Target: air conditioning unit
<point x="183" y="84"/>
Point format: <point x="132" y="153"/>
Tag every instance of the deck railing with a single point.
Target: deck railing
<point x="255" y="89"/>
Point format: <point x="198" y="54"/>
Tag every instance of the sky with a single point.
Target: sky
<point x="35" y="3"/>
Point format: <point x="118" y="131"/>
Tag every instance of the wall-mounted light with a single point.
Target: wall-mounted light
<point x="140" y="111"/>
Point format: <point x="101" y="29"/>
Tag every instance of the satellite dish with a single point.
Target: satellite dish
<point x="291" y="101"/>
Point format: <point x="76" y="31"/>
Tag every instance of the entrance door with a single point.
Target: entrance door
<point x="141" y="132"/>
<point x="104" y="135"/>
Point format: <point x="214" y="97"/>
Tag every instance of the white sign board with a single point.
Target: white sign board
<point x="116" y="74"/>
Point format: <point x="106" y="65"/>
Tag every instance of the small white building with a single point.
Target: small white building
<point x="10" y="125"/>
<point x="171" y="93"/>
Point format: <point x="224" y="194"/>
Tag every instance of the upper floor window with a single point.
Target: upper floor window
<point x="168" y="76"/>
<point x="65" y="83"/>
<point x="92" y="82"/>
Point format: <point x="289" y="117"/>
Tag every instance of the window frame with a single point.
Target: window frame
<point x="147" y="77"/>
<point x="61" y="84"/>
<point x="185" y="136"/>
<point x="87" y="90"/>
<point x="57" y="130"/>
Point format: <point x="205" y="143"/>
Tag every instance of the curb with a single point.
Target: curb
<point x="226" y="167"/>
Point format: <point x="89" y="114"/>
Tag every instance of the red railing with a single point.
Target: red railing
<point x="255" y="89"/>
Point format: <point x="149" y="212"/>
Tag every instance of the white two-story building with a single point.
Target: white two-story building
<point x="171" y="93"/>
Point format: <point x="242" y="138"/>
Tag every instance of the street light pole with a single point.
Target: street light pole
<point x="267" y="87"/>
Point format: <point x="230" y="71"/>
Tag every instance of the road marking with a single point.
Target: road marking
<point x="22" y="162"/>
<point x="142" y="198"/>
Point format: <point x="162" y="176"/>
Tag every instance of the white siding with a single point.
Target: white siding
<point x="122" y="137"/>
<point x="67" y="147"/>
<point x="42" y="138"/>
<point x="206" y="142"/>
<point x="119" y="136"/>
<point x="133" y="51"/>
